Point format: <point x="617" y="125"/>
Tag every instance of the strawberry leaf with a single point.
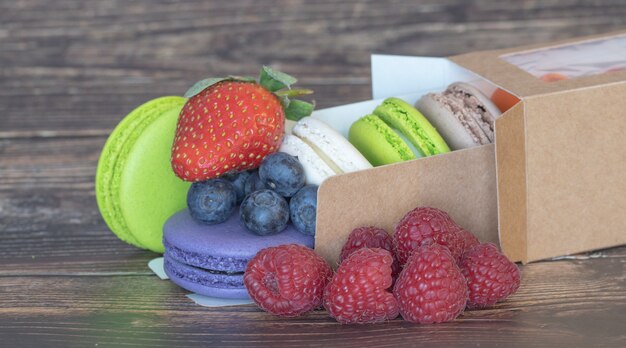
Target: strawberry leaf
<point x="291" y="93"/>
<point x="274" y="80"/>
<point x="284" y="101"/>
<point x="204" y="84"/>
<point x="241" y="78"/>
<point x="298" y="109"/>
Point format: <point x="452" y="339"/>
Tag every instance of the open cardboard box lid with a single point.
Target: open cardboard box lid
<point x="560" y="157"/>
<point x="492" y="66"/>
<point x="553" y="184"/>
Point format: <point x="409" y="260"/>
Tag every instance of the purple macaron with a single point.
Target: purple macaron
<point x="210" y="259"/>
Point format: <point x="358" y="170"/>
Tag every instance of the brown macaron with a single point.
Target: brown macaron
<point x="462" y="114"/>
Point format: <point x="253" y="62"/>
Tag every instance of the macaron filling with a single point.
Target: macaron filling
<point x="315" y="168"/>
<point x="405" y="149"/>
<point x="203" y="276"/>
<point x="416" y="152"/>
<point x="331" y="146"/>
<point x="227" y="265"/>
<point x="413" y="125"/>
<point x="321" y="154"/>
<point x="470" y="111"/>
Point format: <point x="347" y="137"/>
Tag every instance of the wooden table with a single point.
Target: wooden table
<point x="70" y="70"/>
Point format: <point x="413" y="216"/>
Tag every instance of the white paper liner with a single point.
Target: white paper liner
<point x="156" y="265"/>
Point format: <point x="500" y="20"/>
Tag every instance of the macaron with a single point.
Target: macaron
<point x="553" y="77"/>
<point x="136" y="189"/>
<point x="395" y="132"/>
<point x="503" y="99"/>
<point x="211" y="259"/>
<point x="322" y="151"/>
<point x="463" y="115"/>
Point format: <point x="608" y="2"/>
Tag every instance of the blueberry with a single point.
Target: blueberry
<point x="253" y="183"/>
<point x="239" y="181"/>
<point x="303" y="208"/>
<point x="282" y="173"/>
<point x="211" y="201"/>
<point x="264" y="212"/>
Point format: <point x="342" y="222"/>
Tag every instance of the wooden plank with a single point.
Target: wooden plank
<point x="68" y="66"/>
<point x="48" y="210"/>
<point x="560" y="304"/>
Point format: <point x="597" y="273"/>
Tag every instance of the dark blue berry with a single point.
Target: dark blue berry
<point x="303" y="209"/>
<point x="239" y="181"/>
<point x="282" y="173"/>
<point x="253" y="183"/>
<point x="211" y="201"/>
<point x="264" y="212"/>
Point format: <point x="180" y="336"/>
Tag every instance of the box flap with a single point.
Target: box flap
<point x="490" y="65"/>
<point x="463" y="183"/>
<point x="575" y="167"/>
<point x="511" y="173"/>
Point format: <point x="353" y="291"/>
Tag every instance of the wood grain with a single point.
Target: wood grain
<point x="70" y="70"/>
<point x="553" y="308"/>
<point x="82" y="65"/>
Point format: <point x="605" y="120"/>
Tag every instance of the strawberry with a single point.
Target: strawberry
<point x="230" y="124"/>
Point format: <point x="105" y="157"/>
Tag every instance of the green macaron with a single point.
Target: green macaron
<point x="395" y="132"/>
<point x="136" y="188"/>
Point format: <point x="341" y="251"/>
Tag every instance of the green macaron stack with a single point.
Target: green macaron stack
<point x="395" y="132"/>
<point x="136" y="188"/>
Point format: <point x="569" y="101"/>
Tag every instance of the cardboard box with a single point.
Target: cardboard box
<point x="553" y="183"/>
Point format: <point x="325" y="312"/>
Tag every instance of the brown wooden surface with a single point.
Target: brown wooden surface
<point x="70" y="70"/>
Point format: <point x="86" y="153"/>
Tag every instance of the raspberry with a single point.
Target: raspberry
<point x="422" y="226"/>
<point x="431" y="288"/>
<point x="358" y="291"/>
<point x="369" y="237"/>
<point x="469" y="239"/>
<point x="490" y="276"/>
<point x="366" y="237"/>
<point x="287" y="280"/>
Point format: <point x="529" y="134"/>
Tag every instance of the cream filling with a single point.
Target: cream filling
<point x="323" y="156"/>
<point x="416" y="152"/>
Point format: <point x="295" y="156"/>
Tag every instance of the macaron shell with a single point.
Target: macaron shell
<point x="488" y="119"/>
<point x="150" y="191"/>
<point x="446" y="123"/>
<point x="487" y="103"/>
<point x="225" y="247"/>
<point x="203" y="282"/>
<point x="315" y="169"/>
<point x="113" y="157"/>
<point x="378" y="142"/>
<point x="503" y="99"/>
<point x="323" y="138"/>
<point x="408" y="120"/>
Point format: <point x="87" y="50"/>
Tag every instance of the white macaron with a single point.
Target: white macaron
<point x="322" y="151"/>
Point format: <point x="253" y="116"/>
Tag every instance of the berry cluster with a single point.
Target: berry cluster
<point x="428" y="272"/>
<point x="261" y="195"/>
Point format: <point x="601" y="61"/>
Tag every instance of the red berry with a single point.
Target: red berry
<point x="369" y="237"/>
<point x="468" y="239"/>
<point x="366" y="237"/>
<point x="490" y="276"/>
<point x="422" y="226"/>
<point x="358" y="293"/>
<point x="431" y="288"/>
<point x="287" y="280"/>
<point x="229" y="126"/>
